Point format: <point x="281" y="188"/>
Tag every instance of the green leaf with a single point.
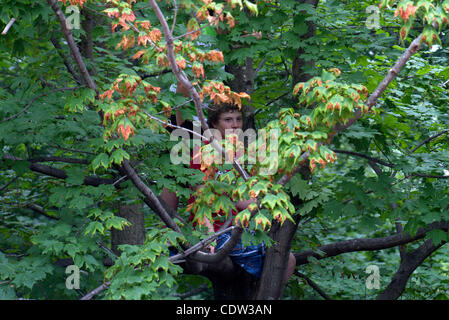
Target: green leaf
<point x="21" y="167"/>
<point x="437" y="236"/>
<point x="101" y="160"/>
<point x="252" y="7"/>
<point x="117" y="156"/>
<point x="94" y="227"/>
<point x="75" y="176"/>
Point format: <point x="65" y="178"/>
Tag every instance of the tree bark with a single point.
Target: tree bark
<point x="372" y="244"/>
<point x="299" y="72"/>
<point x="133" y="234"/>
<point x="243" y="82"/>
<point x="234" y="285"/>
<point x="86" y="46"/>
<point x="409" y="263"/>
<point x="271" y="284"/>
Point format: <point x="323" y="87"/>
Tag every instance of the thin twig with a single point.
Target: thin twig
<point x="8" y="26"/>
<point x="199" y="245"/>
<point x="196" y="30"/>
<point x="33" y="100"/>
<point x="192" y="292"/>
<point x="384" y="163"/>
<point x="96" y="291"/>
<point x="370" y="102"/>
<point x="174" y="18"/>
<point x="174" y="126"/>
<point x="313" y="285"/>
<point x="6" y="185"/>
<point x="428" y="140"/>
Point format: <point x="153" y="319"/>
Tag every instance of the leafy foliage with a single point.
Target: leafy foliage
<point x="62" y="143"/>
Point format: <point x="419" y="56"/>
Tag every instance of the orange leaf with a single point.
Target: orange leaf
<point x="138" y="54"/>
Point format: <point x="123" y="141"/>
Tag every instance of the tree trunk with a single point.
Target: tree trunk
<point x="272" y="282"/>
<point x="87" y="44"/>
<point x="233" y="284"/>
<point x="300" y="65"/>
<point x="243" y="82"/>
<point x="135" y="233"/>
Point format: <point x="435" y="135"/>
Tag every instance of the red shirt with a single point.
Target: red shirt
<point x="195" y="163"/>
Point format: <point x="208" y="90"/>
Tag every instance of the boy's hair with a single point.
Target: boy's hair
<point x="215" y="112"/>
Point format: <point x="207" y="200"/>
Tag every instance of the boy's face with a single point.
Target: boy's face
<point x="229" y="122"/>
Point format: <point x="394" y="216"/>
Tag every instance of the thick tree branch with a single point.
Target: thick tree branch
<point x="391" y="75"/>
<point x="409" y="263"/>
<point x="372" y="244"/>
<point x="150" y="198"/>
<point x="180" y="75"/>
<point x="61" y="174"/>
<point x="58" y="159"/>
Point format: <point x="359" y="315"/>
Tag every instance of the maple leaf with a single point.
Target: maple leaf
<point x="138" y="54"/>
<point x="125" y="131"/>
<point x="155" y="35"/>
<point x="107" y="93"/>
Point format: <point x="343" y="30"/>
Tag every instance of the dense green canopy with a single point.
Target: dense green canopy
<point x="359" y="191"/>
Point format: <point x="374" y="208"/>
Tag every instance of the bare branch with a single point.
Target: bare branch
<point x="72" y="45"/>
<point x="39" y="209"/>
<point x="150" y="196"/>
<point x="391" y="75"/>
<point x="313" y="285"/>
<point x="72" y="150"/>
<point x="372" y="162"/>
<point x="423" y="175"/>
<point x="61" y="174"/>
<point x="196" y="134"/>
<point x="59" y="159"/>
<point x="64" y="58"/>
<point x="8" y="26"/>
<point x="372" y="244"/>
<point x="376" y="160"/>
<point x="174" y="18"/>
<point x="372" y="99"/>
<point x="409" y="263"/>
<point x="428" y="140"/>
<point x="192" y="292"/>
<point x="260" y="67"/>
<point x="7" y="185"/>
<point x="96" y="291"/>
<point x="199" y="245"/>
<point x="185" y="82"/>
<point x="180" y="75"/>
